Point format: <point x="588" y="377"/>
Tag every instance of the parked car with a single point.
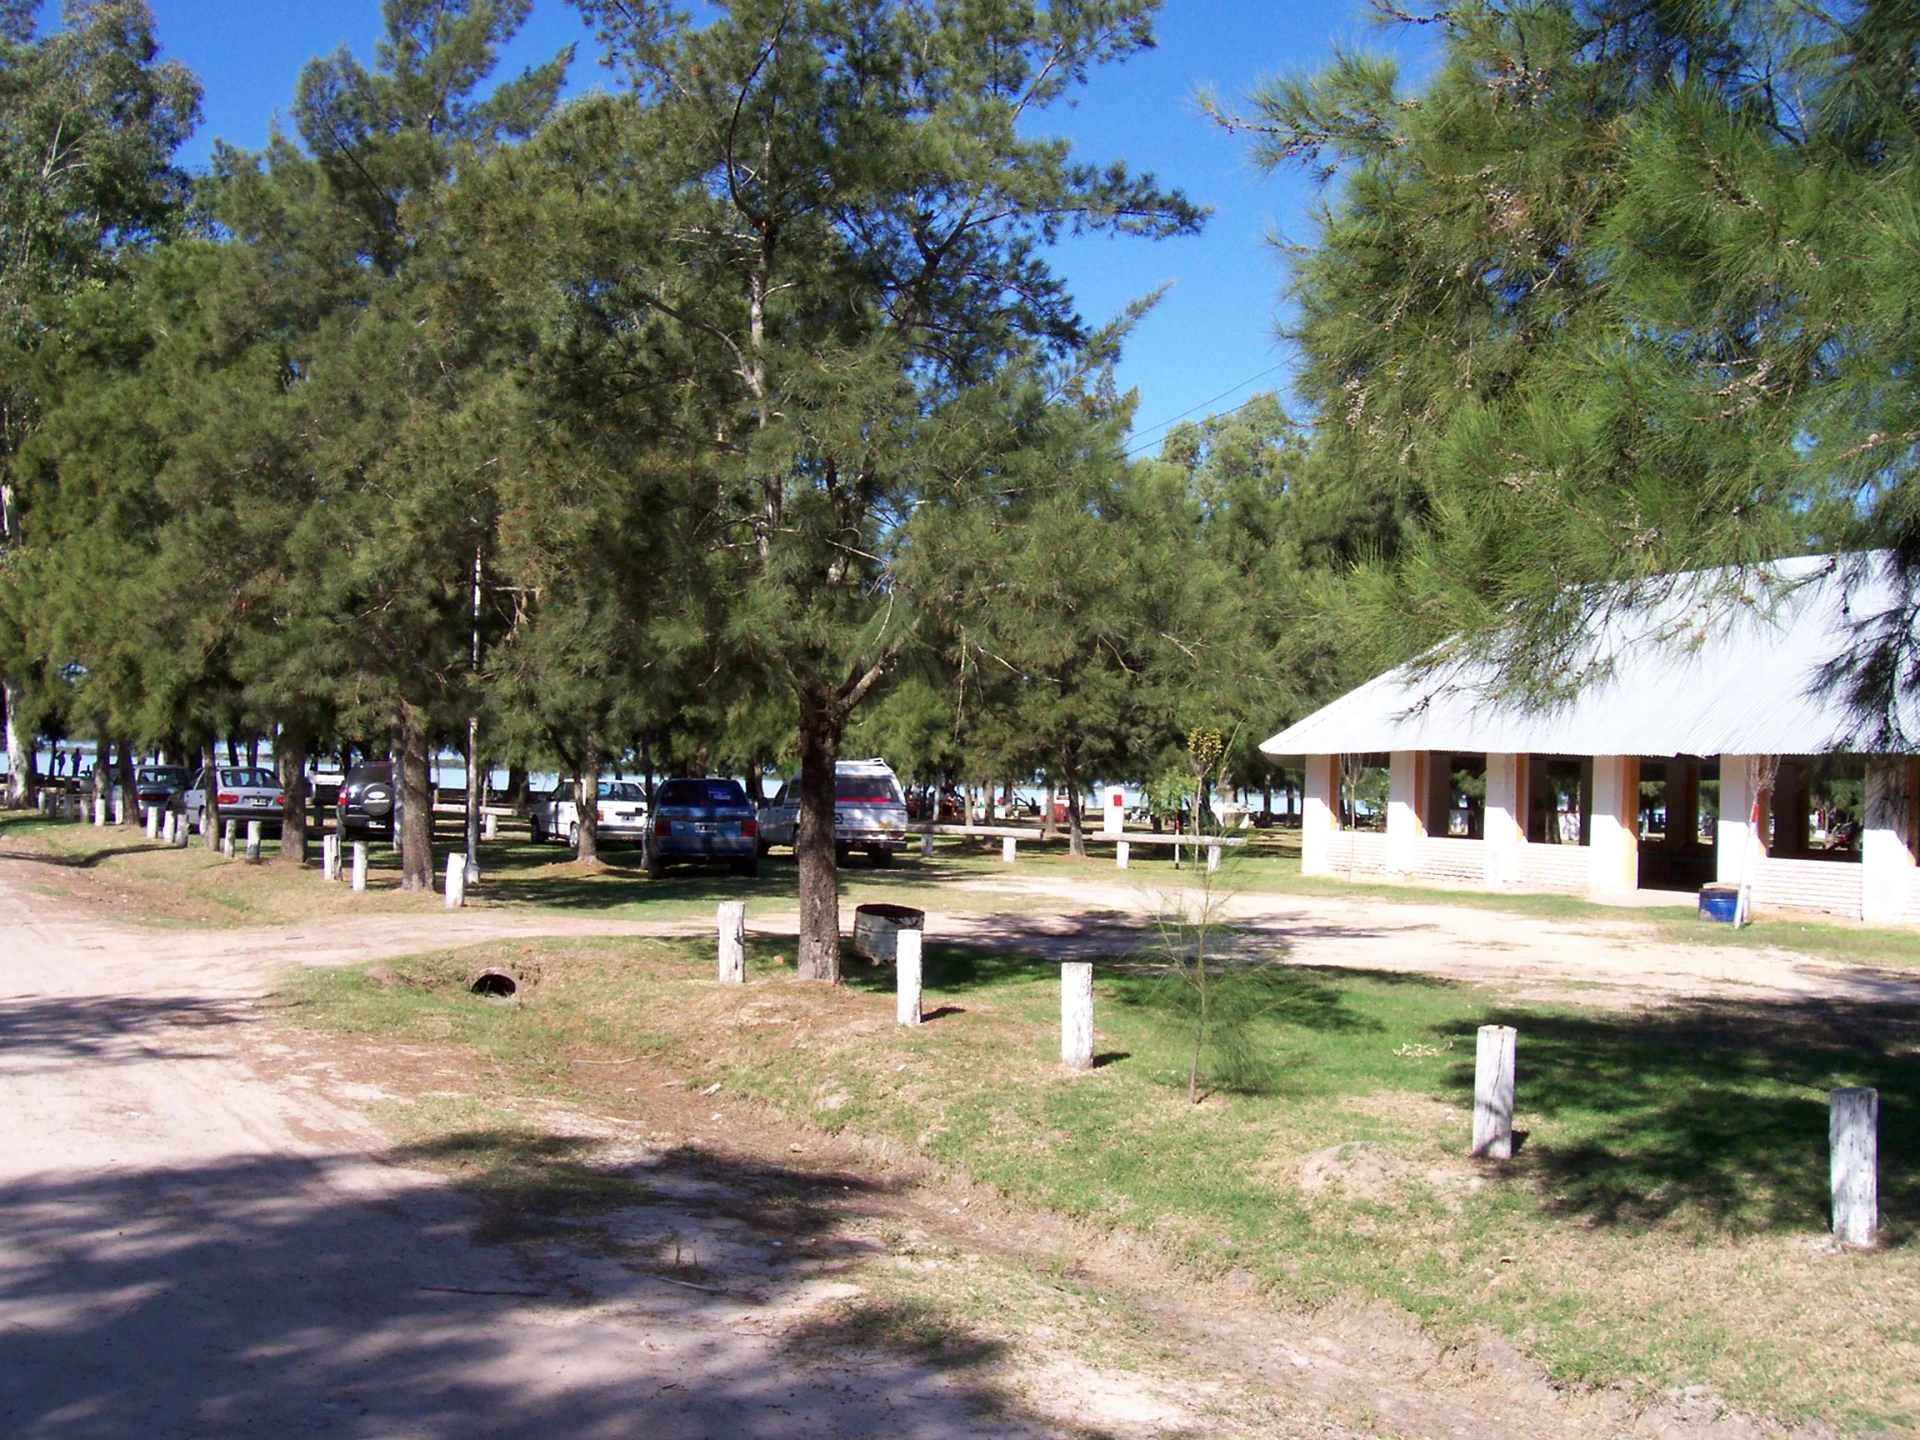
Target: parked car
<point x="243" y="792"/>
<point x="622" y="814"/>
<point x="703" y="822"/>
<point x="368" y="802"/>
<point x="156" y="785"/>
<point x="869" y="812"/>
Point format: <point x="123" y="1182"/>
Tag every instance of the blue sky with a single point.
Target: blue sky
<point x="1207" y="345"/>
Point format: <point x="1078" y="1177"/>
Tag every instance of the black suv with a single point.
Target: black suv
<point x="369" y="801"/>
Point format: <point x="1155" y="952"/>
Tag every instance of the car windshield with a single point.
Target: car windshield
<point x="162" y="774"/>
<point x="249" y="779"/>
<point x="702" y="792"/>
<point x="621" y="790"/>
<point x="864" y="787"/>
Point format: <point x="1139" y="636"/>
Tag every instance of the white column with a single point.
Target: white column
<point x="1405" y="780"/>
<point x="1504" y="821"/>
<point x="732" y="924"/>
<point x="1320" y="815"/>
<point x="1121" y="853"/>
<point x="1113" y="811"/>
<point x="1009" y="849"/>
<point x="906" y="978"/>
<point x="1613" y="859"/>
<point x="1886" y="841"/>
<point x="359" y="881"/>
<point x="1076" y="1015"/>
<point x="456" y="880"/>
<point x="1737" y="843"/>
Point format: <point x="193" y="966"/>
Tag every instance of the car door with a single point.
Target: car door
<point x="780" y="817"/>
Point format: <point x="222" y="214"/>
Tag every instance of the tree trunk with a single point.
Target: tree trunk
<point x="821" y="724"/>
<point x="416" y="817"/>
<point x="517" y="782"/>
<point x="233" y="752"/>
<point x="1046" y="817"/>
<point x="1076" y="837"/>
<point x="129" y="786"/>
<point x="253" y="751"/>
<point x="291" y="755"/>
<point x="209" y="797"/>
<point x="20" y="747"/>
<point x="586" y="801"/>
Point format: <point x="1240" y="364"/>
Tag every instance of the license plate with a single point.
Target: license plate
<point x="260" y="802"/>
<point x="706" y="829"/>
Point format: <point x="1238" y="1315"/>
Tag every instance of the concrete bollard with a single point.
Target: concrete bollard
<point x="100" y="811"/>
<point x="253" y="841"/>
<point x="907" y="978"/>
<point x="1853" y="1133"/>
<point x="153" y="822"/>
<point x="119" y="806"/>
<point x="359" y="865"/>
<point x="1076" y="1015"/>
<point x="1213" y="859"/>
<point x="1121" y="853"/>
<point x="1009" y="847"/>
<point x="926" y="846"/>
<point x="456" y="881"/>
<point x="732" y="919"/>
<point x="182" y="832"/>
<point x="1493" y="1092"/>
<point x="40" y="802"/>
<point x="228" y="828"/>
<point x="329" y="865"/>
<point x="490" y="826"/>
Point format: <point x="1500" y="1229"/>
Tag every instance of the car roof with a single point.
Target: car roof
<point x="855" y="766"/>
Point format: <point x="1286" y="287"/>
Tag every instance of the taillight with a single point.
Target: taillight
<point x="749" y="828"/>
<point x="225" y="799"/>
<point x="663" y="829"/>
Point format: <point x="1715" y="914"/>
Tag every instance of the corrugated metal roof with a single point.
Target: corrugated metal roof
<point x="1720" y="665"/>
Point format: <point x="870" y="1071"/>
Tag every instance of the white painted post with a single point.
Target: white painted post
<point x="253" y="840"/>
<point x="153" y="822"/>
<point x="1504" y="821"/>
<point x="906" y="977"/>
<point x="1076" y="1015"/>
<point x="1853" y="1133"/>
<point x="1493" y="1092"/>
<point x="1113" y="813"/>
<point x="490" y="830"/>
<point x="182" y="832"/>
<point x="328" y="864"/>
<point x="926" y="845"/>
<point x="119" y="806"/>
<point x="1406" y="779"/>
<point x="1886" y="845"/>
<point x="1213" y="858"/>
<point x="40" y="801"/>
<point x="456" y="881"/>
<point x="99" y="810"/>
<point x="733" y="942"/>
<point x="1121" y="852"/>
<point x="228" y="829"/>
<point x="359" y="865"/>
<point x="1008" y="848"/>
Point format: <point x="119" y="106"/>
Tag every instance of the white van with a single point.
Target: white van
<point x="869" y="812"/>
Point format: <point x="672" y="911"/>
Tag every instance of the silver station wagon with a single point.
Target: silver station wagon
<point x="869" y="812"/>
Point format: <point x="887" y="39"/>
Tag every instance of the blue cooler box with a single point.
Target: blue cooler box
<point x="1719" y="903"/>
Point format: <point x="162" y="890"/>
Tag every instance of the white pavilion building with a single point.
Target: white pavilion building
<point x="1603" y="792"/>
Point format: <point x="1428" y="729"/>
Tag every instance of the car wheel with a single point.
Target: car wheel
<point x="749" y="867"/>
<point x="880" y="856"/>
<point x="573" y="835"/>
<point x="539" y="832"/>
<point x="764" y="847"/>
<point x="842" y="854"/>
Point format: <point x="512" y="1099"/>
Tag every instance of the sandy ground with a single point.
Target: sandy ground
<point x="1598" y="960"/>
<point x="197" y="1239"/>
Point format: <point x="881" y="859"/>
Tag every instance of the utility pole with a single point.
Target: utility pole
<point x="473" y="743"/>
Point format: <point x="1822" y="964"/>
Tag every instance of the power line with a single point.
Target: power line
<point x="1142" y="445"/>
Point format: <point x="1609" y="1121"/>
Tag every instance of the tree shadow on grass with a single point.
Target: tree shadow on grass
<point x="280" y="1295"/>
<point x="1714" y="1112"/>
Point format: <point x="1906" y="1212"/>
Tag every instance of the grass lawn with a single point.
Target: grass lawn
<point x="1663" y="1224"/>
